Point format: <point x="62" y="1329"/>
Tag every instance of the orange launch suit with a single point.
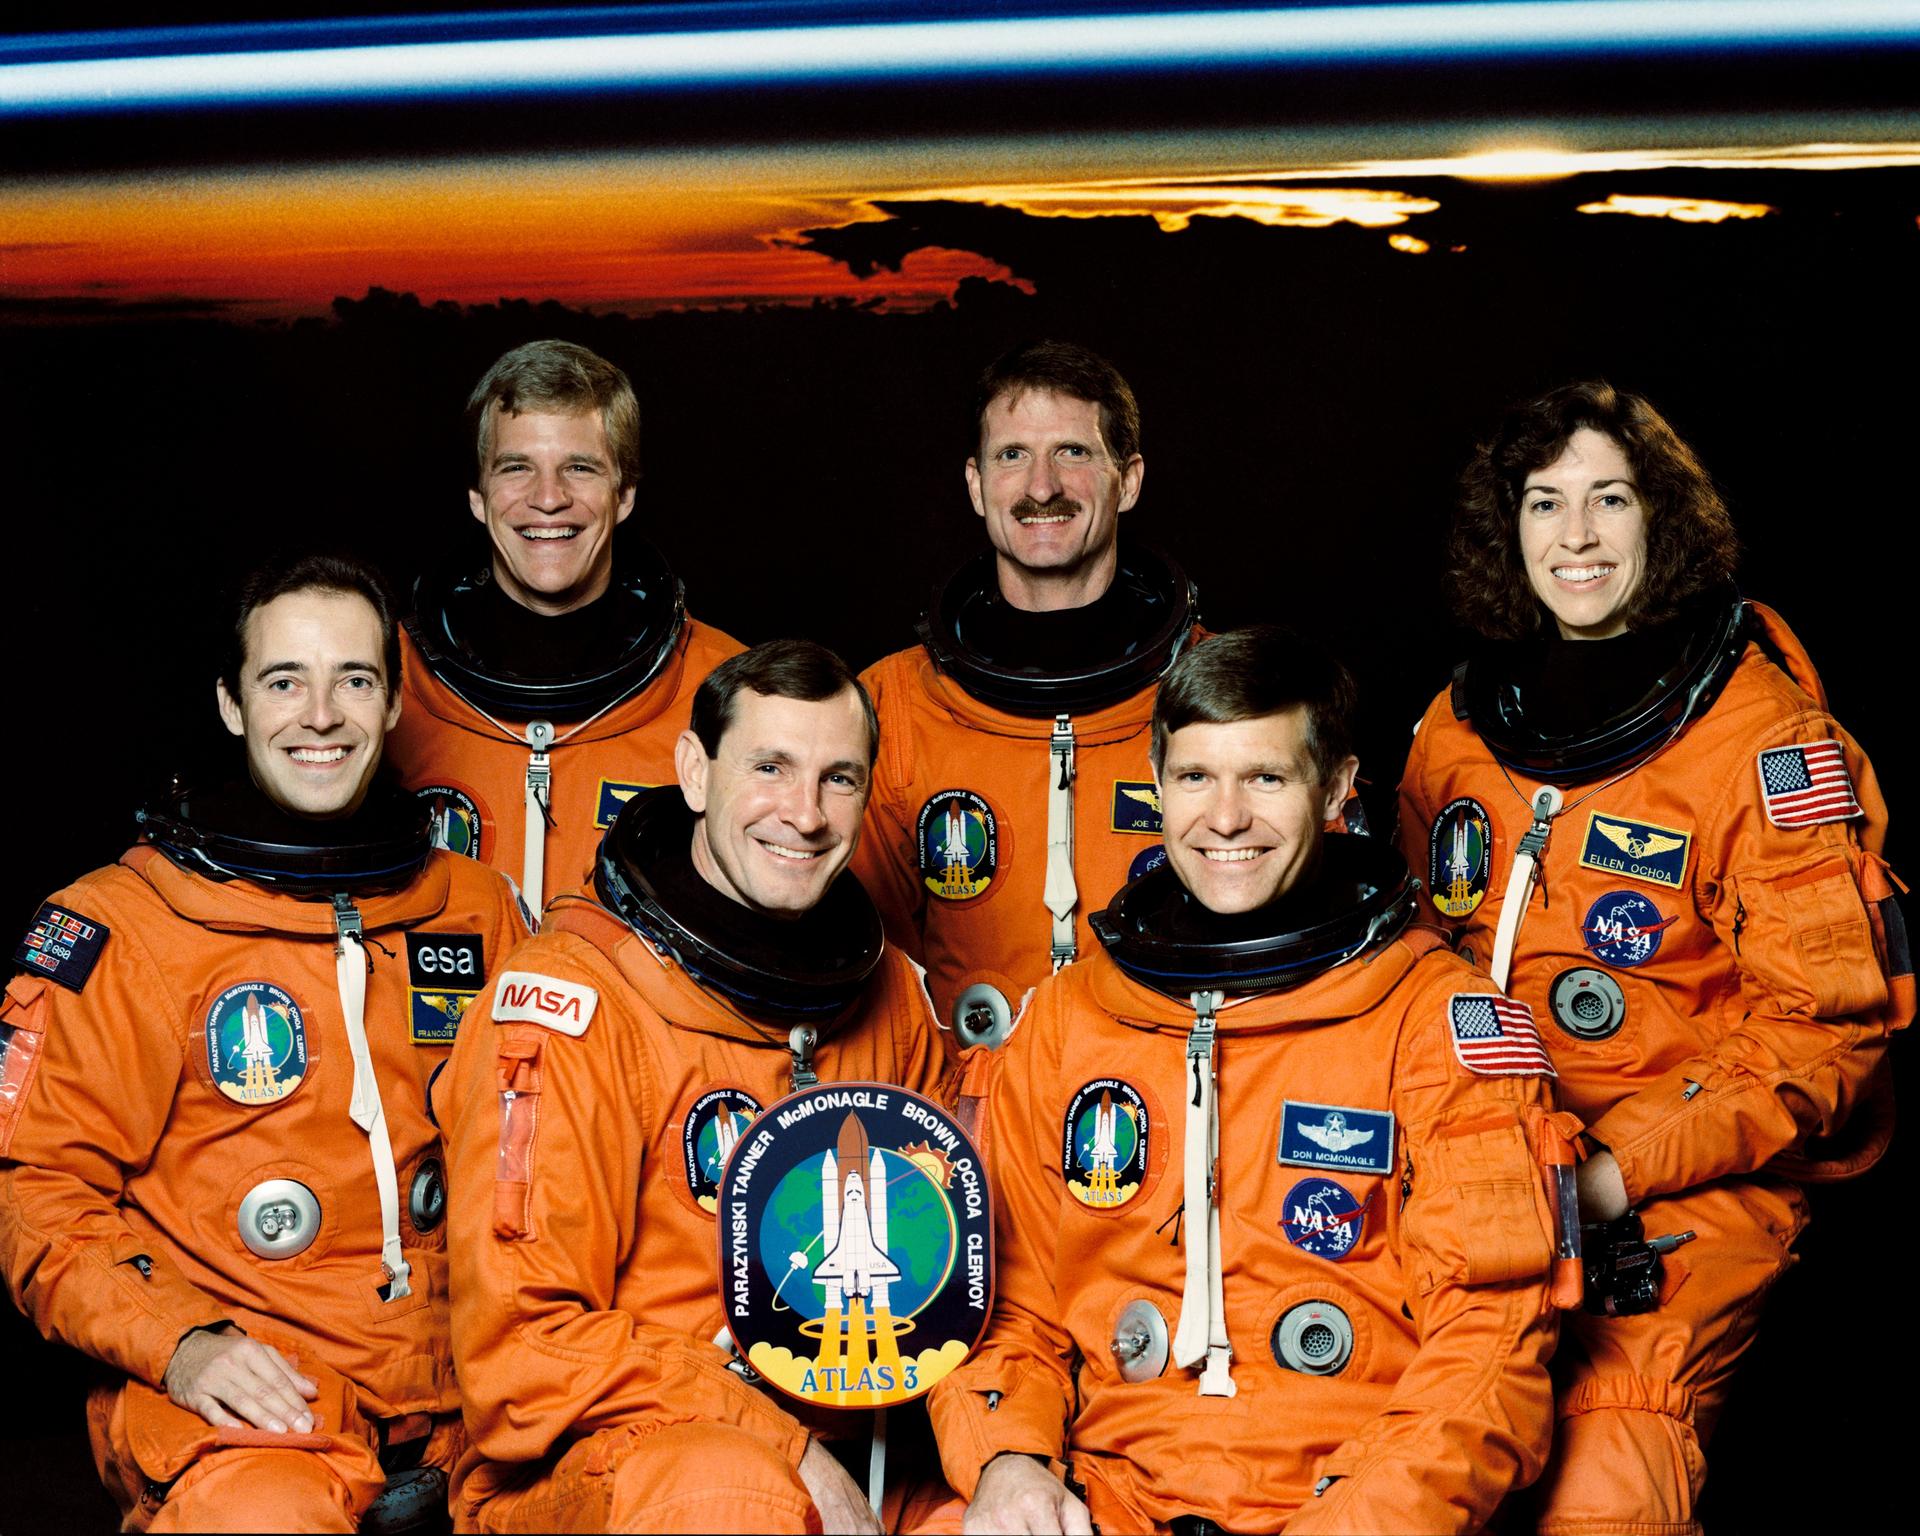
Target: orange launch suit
<point x="1444" y="1404"/>
<point x="934" y="736"/>
<point x="123" y="1165"/>
<point x="445" y="744"/>
<point x="1751" y="1032"/>
<point x="586" y="1274"/>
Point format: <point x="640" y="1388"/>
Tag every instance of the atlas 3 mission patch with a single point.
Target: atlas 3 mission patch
<point x="856" y="1245"/>
<point x="958" y="839"/>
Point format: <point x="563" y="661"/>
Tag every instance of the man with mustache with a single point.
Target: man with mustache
<point x="1012" y="795"/>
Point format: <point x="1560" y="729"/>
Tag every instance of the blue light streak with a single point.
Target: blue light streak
<point x="955" y="50"/>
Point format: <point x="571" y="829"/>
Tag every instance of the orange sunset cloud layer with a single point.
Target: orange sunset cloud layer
<point x="289" y="241"/>
<point x="649" y="230"/>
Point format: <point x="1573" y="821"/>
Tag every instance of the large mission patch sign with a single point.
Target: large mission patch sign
<point x="856" y="1245"/>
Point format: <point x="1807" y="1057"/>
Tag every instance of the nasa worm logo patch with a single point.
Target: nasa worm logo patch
<point x="256" y="1043"/>
<point x="1323" y="1217"/>
<point x="709" y="1131"/>
<point x="1106" y="1143"/>
<point x="1624" y="928"/>
<point x="959" y="842"/>
<point x="1460" y="857"/>
<point x="458" y="825"/>
<point x="856" y="1245"/>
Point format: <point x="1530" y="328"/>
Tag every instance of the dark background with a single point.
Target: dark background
<point x="1308" y="397"/>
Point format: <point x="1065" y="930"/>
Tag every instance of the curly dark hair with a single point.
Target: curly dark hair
<point x="1691" y="545"/>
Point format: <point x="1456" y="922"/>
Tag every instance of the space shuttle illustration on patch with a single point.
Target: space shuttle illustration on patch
<point x="1104" y="1176"/>
<point x="728" y="1123"/>
<point x="856" y="1270"/>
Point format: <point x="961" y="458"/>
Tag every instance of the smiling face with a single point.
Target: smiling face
<point x="315" y="703"/>
<point x="779" y="803"/>
<point x="1244" y="810"/>
<point x="1052" y="495"/>
<point x="550" y="497"/>
<point x="1583" y="536"/>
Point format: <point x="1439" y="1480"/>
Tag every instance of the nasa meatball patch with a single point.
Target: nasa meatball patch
<point x="856" y="1245"/>
<point x="1324" y="1217"/>
<point x="445" y="972"/>
<point x="1146" y="861"/>
<point x="256" y="1043"/>
<point x="709" y="1131"/>
<point x="959" y="844"/>
<point x="1334" y="1136"/>
<point x="1106" y="1143"/>
<point x="1460" y="857"/>
<point x="1624" y="928"/>
<point x="62" y="945"/>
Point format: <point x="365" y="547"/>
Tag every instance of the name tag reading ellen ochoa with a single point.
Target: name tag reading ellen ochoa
<point x="856" y="1245"/>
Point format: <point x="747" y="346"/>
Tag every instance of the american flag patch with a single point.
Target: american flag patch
<point x="1495" y="1036"/>
<point x="1806" y="785"/>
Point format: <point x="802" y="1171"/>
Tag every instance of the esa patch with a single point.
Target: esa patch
<point x="1803" y="786"/>
<point x="1136" y="806"/>
<point x="1146" y="861"/>
<point x="1460" y="857"/>
<point x="1637" y="849"/>
<point x="613" y="797"/>
<point x="1333" y="1136"/>
<point x="1495" y="1036"/>
<point x="445" y="972"/>
<point x="709" y="1131"/>
<point x="1324" y="1217"/>
<point x="256" y="1043"/>
<point x="855" y="1245"/>
<point x="1624" y="928"/>
<point x="63" y="946"/>
<point x="959" y="844"/>
<point x="526" y="997"/>
<point x="457" y="824"/>
<point x="1106" y="1138"/>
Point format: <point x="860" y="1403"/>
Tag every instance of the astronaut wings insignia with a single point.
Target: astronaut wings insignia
<point x="1147" y="797"/>
<point x="1641" y="846"/>
<point x="1341" y="1136"/>
<point x="1335" y="1135"/>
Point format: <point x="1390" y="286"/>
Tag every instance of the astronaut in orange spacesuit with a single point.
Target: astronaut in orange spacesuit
<point x="1012" y="796"/>
<point x="545" y="691"/>
<point x="217" y="1173"/>
<point x="1634" y="806"/>
<point x="1275" y="1172"/>
<point x="723" y="966"/>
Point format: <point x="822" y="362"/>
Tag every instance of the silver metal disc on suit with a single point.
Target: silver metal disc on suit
<point x="1587" y="1004"/>
<point x="1140" y="1342"/>
<point x="1315" y="1338"/>
<point x="279" y="1218"/>
<point x="427" y="1196"/>
<point x="982" y="1015"/>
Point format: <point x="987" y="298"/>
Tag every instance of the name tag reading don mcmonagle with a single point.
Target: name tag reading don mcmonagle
<point x="856" y="1245"/>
